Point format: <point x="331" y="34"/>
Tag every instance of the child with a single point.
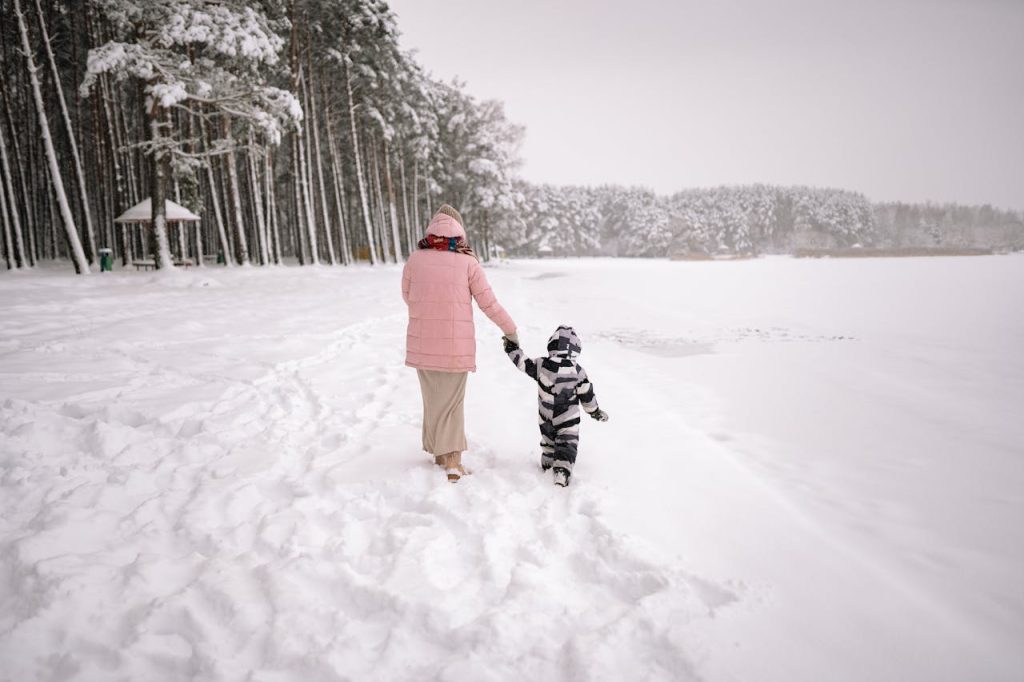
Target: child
<point x="562" y="385"/>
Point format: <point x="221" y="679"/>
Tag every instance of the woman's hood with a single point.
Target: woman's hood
<point x="444" y="225"/>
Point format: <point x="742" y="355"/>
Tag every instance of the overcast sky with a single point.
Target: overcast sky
<point x="899" y="99"/>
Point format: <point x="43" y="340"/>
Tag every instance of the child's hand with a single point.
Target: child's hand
<point x="510" y="345"/>
<point x="600" y="415"/>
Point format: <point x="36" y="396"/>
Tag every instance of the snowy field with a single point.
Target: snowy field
<point x="814" y="470"/>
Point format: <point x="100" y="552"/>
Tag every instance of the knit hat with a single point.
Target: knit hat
<point x="452" y="213"/>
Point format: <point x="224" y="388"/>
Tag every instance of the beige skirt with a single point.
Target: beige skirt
<point x="444" y="423"/>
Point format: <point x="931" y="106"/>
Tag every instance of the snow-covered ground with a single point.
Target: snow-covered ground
<point x="814" y="470"/>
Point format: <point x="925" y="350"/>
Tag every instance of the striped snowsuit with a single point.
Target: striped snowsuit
<point x="562" y="386"/>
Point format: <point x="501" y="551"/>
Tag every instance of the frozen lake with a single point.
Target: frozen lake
<point x="813" y="470"/>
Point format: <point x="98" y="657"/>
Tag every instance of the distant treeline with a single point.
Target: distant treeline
<point x="742" y="220"/>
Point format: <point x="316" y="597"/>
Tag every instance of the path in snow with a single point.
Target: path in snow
<point x="207" y="477"/>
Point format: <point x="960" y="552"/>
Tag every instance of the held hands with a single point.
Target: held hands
<point x="511" y="342"/>
<point x="600" y="415"/>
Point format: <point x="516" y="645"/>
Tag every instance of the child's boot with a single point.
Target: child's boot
<point x="562" y="476"/>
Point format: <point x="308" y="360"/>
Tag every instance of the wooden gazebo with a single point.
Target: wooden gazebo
<point x="142" y="214"/>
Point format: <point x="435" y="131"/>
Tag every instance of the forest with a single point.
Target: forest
<point x="301" y="130"/>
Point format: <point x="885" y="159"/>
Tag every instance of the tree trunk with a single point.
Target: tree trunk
<point x="126" y="246"/>
<point x="50" y="222"/>
<point x="261" y="225"/>
<point x="124" y="198"/>
<point x="426" y="194"/>
<point x="336" y="179"/>
<point x="307" y="201"/>
<point x="8" y="237"/>
<point x="75" y="245"/>
<point x="410" y="240"/>
<point x="90" y="233"/>
<point x="316" y="156"/>
<point x="416" y="194"/>
<point x="98" y="155"/>
<point x="119" y="130"/>
<point x="197" y="241"/>
<point x="222" y="232"/>
<point x="339" y="195"/>
<point x="241" y="245"/>
<point x="295" y="224"/>
<point x="487" y="237"/>
<point x="378" y="197"/>
<point x="360" y="181"/>
<point x="275" y="232"/>
<point x="158" y="193"/>
<point x="182" y="241"/>
<point x="25" y="203"/>
<point x="391" y="203"/>
<point x="305" y="180"/>
<point x="299" y="214"/>
<point x="17" y="246"/>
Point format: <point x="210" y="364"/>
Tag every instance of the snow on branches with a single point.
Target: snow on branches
<point x="207" y="57"/>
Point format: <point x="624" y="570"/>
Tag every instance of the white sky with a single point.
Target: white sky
<point x="899" y="99"/>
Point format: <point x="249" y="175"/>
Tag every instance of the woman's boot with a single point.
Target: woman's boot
<point x="453" y="466"/>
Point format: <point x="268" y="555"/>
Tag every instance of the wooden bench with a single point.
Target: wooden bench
<point x="151" y="264"/>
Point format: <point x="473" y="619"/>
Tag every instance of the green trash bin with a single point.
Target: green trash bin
<point x="106" y="260"/>
<point x="220" y="258"/>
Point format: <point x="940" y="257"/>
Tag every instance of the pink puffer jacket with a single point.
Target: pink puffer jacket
<point x="438" y="287"/>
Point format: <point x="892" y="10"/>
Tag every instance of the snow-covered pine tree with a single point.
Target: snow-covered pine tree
<point x="205" y="57"/>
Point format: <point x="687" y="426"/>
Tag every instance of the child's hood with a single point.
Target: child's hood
<point x="564" y="342"/>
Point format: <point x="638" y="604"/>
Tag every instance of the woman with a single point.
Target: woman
<point x="439" y="281"/>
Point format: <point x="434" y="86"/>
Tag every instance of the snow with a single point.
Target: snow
<point x="484" y="167"/>
<point x="168" y="94"/>
<point x="142" y="212"/>
<point x="812" y="471"/>
<point x="229" y="31"/>
<point x="121" y="59"/>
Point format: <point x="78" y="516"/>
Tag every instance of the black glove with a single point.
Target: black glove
<point x="510" y="345"/>
<point x="599" y="415"/>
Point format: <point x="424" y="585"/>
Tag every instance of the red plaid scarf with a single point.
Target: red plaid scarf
<point x="457" y="244"/>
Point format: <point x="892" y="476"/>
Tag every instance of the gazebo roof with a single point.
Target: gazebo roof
<point x="142" y="212"/>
